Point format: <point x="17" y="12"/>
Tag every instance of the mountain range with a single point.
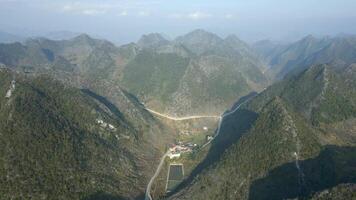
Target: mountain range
<point x="299" y="141"/>
<point x="60" y="142"/>
<point x="75" y="120"/>
<point x="173" y="77"/>
<point x="295" y="57"/>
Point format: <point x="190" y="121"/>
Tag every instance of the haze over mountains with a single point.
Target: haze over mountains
<point x="175" y="76"/>
<point x="307" y="51"/>
<point x="74" y="123"/>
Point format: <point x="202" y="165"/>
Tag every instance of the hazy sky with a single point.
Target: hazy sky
<point x="125" y="20"/>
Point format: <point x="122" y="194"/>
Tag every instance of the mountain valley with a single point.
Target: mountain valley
<point x="82" y="118"/>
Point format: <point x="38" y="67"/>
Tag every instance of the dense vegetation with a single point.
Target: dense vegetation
<point x="293" y="58"/>
<point x="169" y="76"/>
<point x="291" y="149"/>
<point x="52" y="147"/>
<point x="294" y="140"/>
<point x="156" y="75"/>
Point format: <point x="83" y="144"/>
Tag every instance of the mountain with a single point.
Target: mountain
<point x="196" y="73"/>
<point x="152" y="40"/>
<point x="308" y="51"/>
<point x="60" y="142"/>
<point x="61" y="35"/>
<point x="268" y="49"/>
<point x="294" y="140"/>
<point x="9" y="38"/>
<point x="72" y="124"/>
<point x="199" y="41"/>
<point x="342" y="191"/>
<point x="172" y="77"/>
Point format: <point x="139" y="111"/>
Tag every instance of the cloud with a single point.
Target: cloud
<point x="85" y="8"/>
<point x="229" y="16"/>
<point x="144" y="13"/>
<point x="123" y="13"/>
<point x="117" y="8"/>
<point x="197" y="15"/>
<point x="93" y="12"/>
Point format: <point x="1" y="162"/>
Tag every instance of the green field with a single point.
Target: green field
<point x="175" y="176"/>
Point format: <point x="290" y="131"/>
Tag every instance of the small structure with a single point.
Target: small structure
<point x="11" y="89"/>
<point x="117" y="137"/>
<point x="205" y="128"/>
<point x="184" y="133"/>
<point x="175" y="154"/>
<point x="175" y="150"/>
<point x="105" y="125"/>
<point x="208" y="138"/>
<point x="111" y="127"/>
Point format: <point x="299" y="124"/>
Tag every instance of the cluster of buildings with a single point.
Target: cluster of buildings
<point x="175" y="150"/>
<point x="106" y="125"/>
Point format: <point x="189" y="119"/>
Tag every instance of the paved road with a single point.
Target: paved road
<point x="148" y="189"/>
<point x="222" y="119"/>
<point x="181" y="118"/>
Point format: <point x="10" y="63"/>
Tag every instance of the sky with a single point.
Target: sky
<point x="124" y="21"/>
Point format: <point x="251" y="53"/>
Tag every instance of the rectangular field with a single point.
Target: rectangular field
<point x="175" y="176"/>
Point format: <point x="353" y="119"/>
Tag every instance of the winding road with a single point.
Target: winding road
<point x="149" y="185"/>
<point x="148" y="189"/>
<point x="221" y="118"/>
<point x="181" y="118"/>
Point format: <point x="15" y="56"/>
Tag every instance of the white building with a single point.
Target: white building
<point x="112" y="127"/>
<point x="174" y="155"/>
<point x="208" y="138"/>
<point x="11" y="89"/>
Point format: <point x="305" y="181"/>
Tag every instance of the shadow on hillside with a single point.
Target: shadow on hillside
<point x="333" y="166"/>
<point x="106" y="102"/>
<point x="102" y="196"/>
<point x="244" y="99"/>
<point x="232" y="128"/>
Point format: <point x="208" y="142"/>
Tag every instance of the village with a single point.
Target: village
<point x="105" y="125"/>
<point x="177" y="149"/>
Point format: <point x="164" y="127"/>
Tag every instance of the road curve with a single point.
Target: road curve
<point x="221" y="118"/>
<point x="148" y="189"/>
<point x="181" y="118"/>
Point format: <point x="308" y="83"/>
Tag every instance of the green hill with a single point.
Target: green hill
<point x="58" y="142"/>
<point x="297" y="56"/>
<point x="300" y="142"/>
<point x="169" y="76"/>
<point x="198" y="73"/>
